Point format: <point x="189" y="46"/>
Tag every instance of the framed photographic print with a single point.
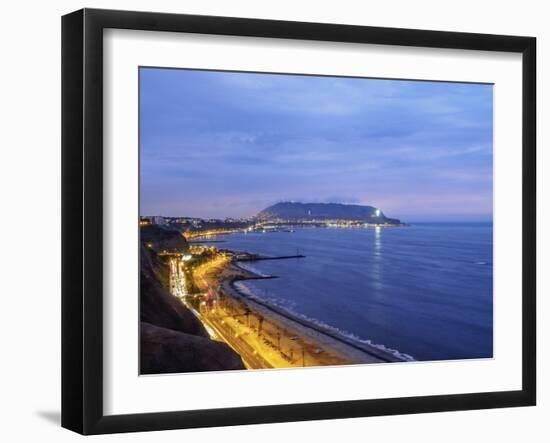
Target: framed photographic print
<point x="269" y="221"/>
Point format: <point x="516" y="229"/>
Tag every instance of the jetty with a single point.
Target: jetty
<point x="257" y="257"/>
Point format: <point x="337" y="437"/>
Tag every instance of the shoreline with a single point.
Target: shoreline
<point x="335" y="343"/>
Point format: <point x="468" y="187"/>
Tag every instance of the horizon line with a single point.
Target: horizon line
<point x="404" y="219"/>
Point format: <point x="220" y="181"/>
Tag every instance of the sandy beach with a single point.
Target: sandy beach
<point x="320" y="346"/>
<point x="331" y="341"/>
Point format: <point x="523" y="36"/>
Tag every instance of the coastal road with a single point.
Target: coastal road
<point x="316" y="347"/>
<point x="250" y="357"/>
<point x="363" y="352"/>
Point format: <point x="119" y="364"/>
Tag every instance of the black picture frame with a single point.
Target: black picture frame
<point x="82" y="218"/>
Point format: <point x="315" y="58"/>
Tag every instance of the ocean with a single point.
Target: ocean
<point x="424" y="290"/>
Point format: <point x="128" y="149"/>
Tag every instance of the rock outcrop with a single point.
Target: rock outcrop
<point x="159" y="239"/>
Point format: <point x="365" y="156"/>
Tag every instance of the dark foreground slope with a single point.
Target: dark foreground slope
<point x="172" y="338"/>
<point x="168" y="351"/>
<point x="295" y="211"/>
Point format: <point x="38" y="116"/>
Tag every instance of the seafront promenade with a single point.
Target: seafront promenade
<point x="264" y="336"/>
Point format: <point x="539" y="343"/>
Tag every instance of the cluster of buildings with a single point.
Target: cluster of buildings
<point x="160" y="220"/>
<point x="193" y="224"/>
<point x="195" y="227"/>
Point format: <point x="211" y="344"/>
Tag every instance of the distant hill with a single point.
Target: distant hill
<point x="324" y="211"/>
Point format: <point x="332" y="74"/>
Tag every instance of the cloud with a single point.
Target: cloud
<point x="238" y="138"/>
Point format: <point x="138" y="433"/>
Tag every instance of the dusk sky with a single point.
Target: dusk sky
<point x="219" y="144"/>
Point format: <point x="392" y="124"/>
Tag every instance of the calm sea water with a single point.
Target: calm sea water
<point x="424" y="290"/>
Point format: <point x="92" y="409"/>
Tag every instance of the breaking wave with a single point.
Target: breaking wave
<point x="286" y="306"/>
<point x="251" y="268"/>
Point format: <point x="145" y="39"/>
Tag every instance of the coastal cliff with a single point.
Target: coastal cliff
<point x="294" y="211"/>
<point x="172" y="338"/>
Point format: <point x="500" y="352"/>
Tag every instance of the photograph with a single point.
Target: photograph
<point x="290" y="220"/>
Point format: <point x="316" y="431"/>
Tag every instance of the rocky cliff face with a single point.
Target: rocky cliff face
<point x="172" y="338"/>
<point x="324" y="211"/>
<point x="168" y="351"/>
<point x="158" y="306"/>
